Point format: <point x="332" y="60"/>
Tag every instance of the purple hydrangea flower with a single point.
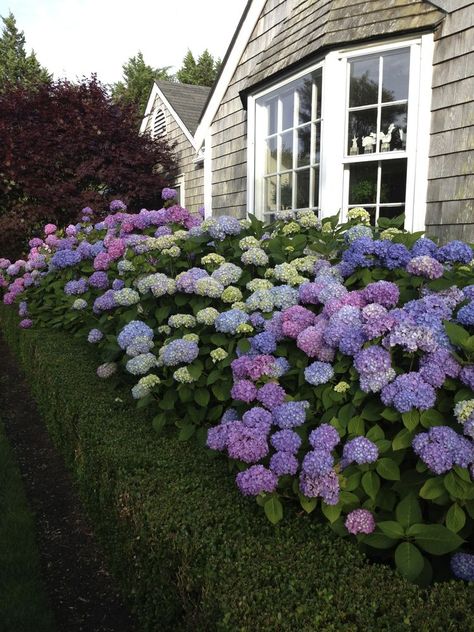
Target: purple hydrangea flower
<point x="115" y="205"/>
<point x="246" y="444"/>
<point x="326" y="486"/>
<point x="283" y="463"/>
<point x="75" y="288"/>
<point x="325" y="437"/>
<point x="264" y="342"/>
<point x="462" y="566"/>
<point x="258" y="417"/>
<point x="409" y="391"/>
<point x="65" y="259"/>
<point x="244" y="390"/>
<point x="318" y="462"/>
<point x="455" y="252"/>
<point x="271" y="395"/>
<point x="99" y="280"/>
<point x="94" y="336"/>
<point x="286" y="441"/>
<point x="134" y="329"/>
<point x="359" y="450"/>
<point x="360" y="521"/>
<point x="424" y="246"/>
<point x="318" y="373"/>
<point x="441" y="448"/>
<point x="384" y="293"/>
<point x="465" y="315"/>
<point x="290" y="414"/>
<point x="425" y="266"/>
<point x="255" y="480"/>
<point x="466" y="376"/>
<point x="179" y="352"/>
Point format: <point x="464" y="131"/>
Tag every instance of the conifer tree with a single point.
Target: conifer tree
<point x="17" y="68"/>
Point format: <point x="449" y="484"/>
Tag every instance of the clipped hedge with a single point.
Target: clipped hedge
<point x="189" y="551"/>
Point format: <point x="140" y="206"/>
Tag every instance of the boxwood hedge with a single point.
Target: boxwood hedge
<point x="189" y="551"/>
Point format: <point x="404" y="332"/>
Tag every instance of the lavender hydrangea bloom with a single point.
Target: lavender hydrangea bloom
<point x="441" y="448"/>
<point x="283" y="463"/>
<point x="227" y="322"/>
<point x="455" y="252"/>
<point x="425" y="266"/>
<point x="65" y="259"/>
<point x="360" y="521"/>
<point x="409" y="391"/>
<point x="258" y="417"/>
<point x="424" y="246"/>
<point x="359" y="450"/>
<point x="465" y="315"/>
<point x="141" y="364"/>
<point x="286" y="441"/>
<point x="462" y="566"/>
<point x="318" y="462"/>
<point x="466" y="376"/>
<point x="271" y="395"/>
<point x="255" y="480"/>
<point x="134" y="329"/>
<point x="168" y="194"/>
<point x="230" y="415"/>
<point x="99" y="280"/>
<point x="325" y="437"/>
<point x="75" y="288"/>
<point x="318" y="373"/>
<point x="224" y="226"/>
<point x="94" y="336"/>
<point x="326" y="486"/>
<point x="179" y="352"/>
<point x="264" y="342"/>
<point x="217" y="437"/>
<point x="117" y="205"/>
<point x="290" y="414"/>
<point x="104" y="302"/>
<point x="384" y="293"/>
<point x="244" y="390"/>
<point x="246" y="444"/>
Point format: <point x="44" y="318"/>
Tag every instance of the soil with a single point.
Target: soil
<point x="83" y="595"/>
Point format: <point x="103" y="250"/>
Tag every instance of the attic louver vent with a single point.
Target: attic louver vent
<point x="159" y="124"/>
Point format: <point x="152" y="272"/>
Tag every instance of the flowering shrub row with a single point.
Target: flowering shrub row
<point x="333" y="363"/>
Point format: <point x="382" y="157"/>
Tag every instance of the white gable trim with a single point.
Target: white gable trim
<point x="229" y="69"/>
<point x="149" y="108"/>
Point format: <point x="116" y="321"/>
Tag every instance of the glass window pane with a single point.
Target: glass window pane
<point x="391" y="211"/>
<point x="286" y="191"/>
<point x="364" y="86"/>
<point x="315" y="186"/>
<point x="362" y="132"/>
<point x="304" y="146"/>
<point x="271" y="155"/>
<point x="318" y="84"/>
<point x="393" y="182"/>
<point x="363" y="183"/>
<point x="270" y="191"/>
<point x="305" y="91"/>
<point x="396" y="67"/>
<point x="393" y="125"/>
<point x="302" y="189"/>
<point x="286" y="156"/>
<point x="287" y="110"/>
<point x="317" y="143"/>
<point x="272" y="116"/>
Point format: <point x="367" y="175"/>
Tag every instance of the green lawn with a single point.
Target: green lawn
<point x="24" y="605"/>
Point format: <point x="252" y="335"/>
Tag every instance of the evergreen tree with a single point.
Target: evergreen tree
<point x="202" y="72"/>
<point x="137" y="82"/>
<point x="16" y="67"/>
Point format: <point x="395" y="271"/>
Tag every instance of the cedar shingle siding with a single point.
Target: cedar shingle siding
<point x="188" y="102"/>
<point x="291" y="33"/>
<point x="450" y="209"/>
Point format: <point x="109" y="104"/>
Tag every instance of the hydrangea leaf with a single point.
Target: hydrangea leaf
<point x="408" y="511"/>
<point x="455" y="518"/>
<point x="435" y="538"/>
<point x="409" y="561"/>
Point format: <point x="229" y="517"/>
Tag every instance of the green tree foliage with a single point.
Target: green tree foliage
<point x="16" y="66"/>
<point x="137" y="81"/>
<point x="200" y="72"/>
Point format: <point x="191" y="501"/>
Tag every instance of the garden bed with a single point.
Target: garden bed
<point x="189" y="552"/>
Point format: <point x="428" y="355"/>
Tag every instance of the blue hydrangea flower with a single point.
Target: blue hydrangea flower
<point x="227" y="322"/>
<point x="179" y="352"/>
<point x="290" y="414"/>
<point x="318" y="373"/>
<point x="133" y="330"/>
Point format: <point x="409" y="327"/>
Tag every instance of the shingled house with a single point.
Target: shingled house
<point x="330" y="104"/>
<point x="173" y="110"/>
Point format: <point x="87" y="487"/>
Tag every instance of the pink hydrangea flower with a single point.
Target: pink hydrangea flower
<point x="360" y="521"/>
<point x="49" y="229"/>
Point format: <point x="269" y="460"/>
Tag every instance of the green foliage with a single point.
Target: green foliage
<point x="137" y="82"/>
<point x="187" y="549"/>
<point x="201" y="71"/>
<point x="17" y="68"/>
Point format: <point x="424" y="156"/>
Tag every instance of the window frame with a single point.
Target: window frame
<point x="334" y="163"/>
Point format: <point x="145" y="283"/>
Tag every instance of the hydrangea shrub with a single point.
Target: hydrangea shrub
<point x="332" y="364"/>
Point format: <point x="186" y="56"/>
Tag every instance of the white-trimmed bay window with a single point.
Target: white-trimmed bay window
<point x="351" y="130"/>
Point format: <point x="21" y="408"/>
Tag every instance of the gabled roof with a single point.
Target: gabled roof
<point x="187" y="101"/>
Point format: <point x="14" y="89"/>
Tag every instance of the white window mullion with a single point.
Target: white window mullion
<point x="333" y="133"/>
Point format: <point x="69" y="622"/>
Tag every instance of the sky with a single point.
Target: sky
<point x="73" y="38"/>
